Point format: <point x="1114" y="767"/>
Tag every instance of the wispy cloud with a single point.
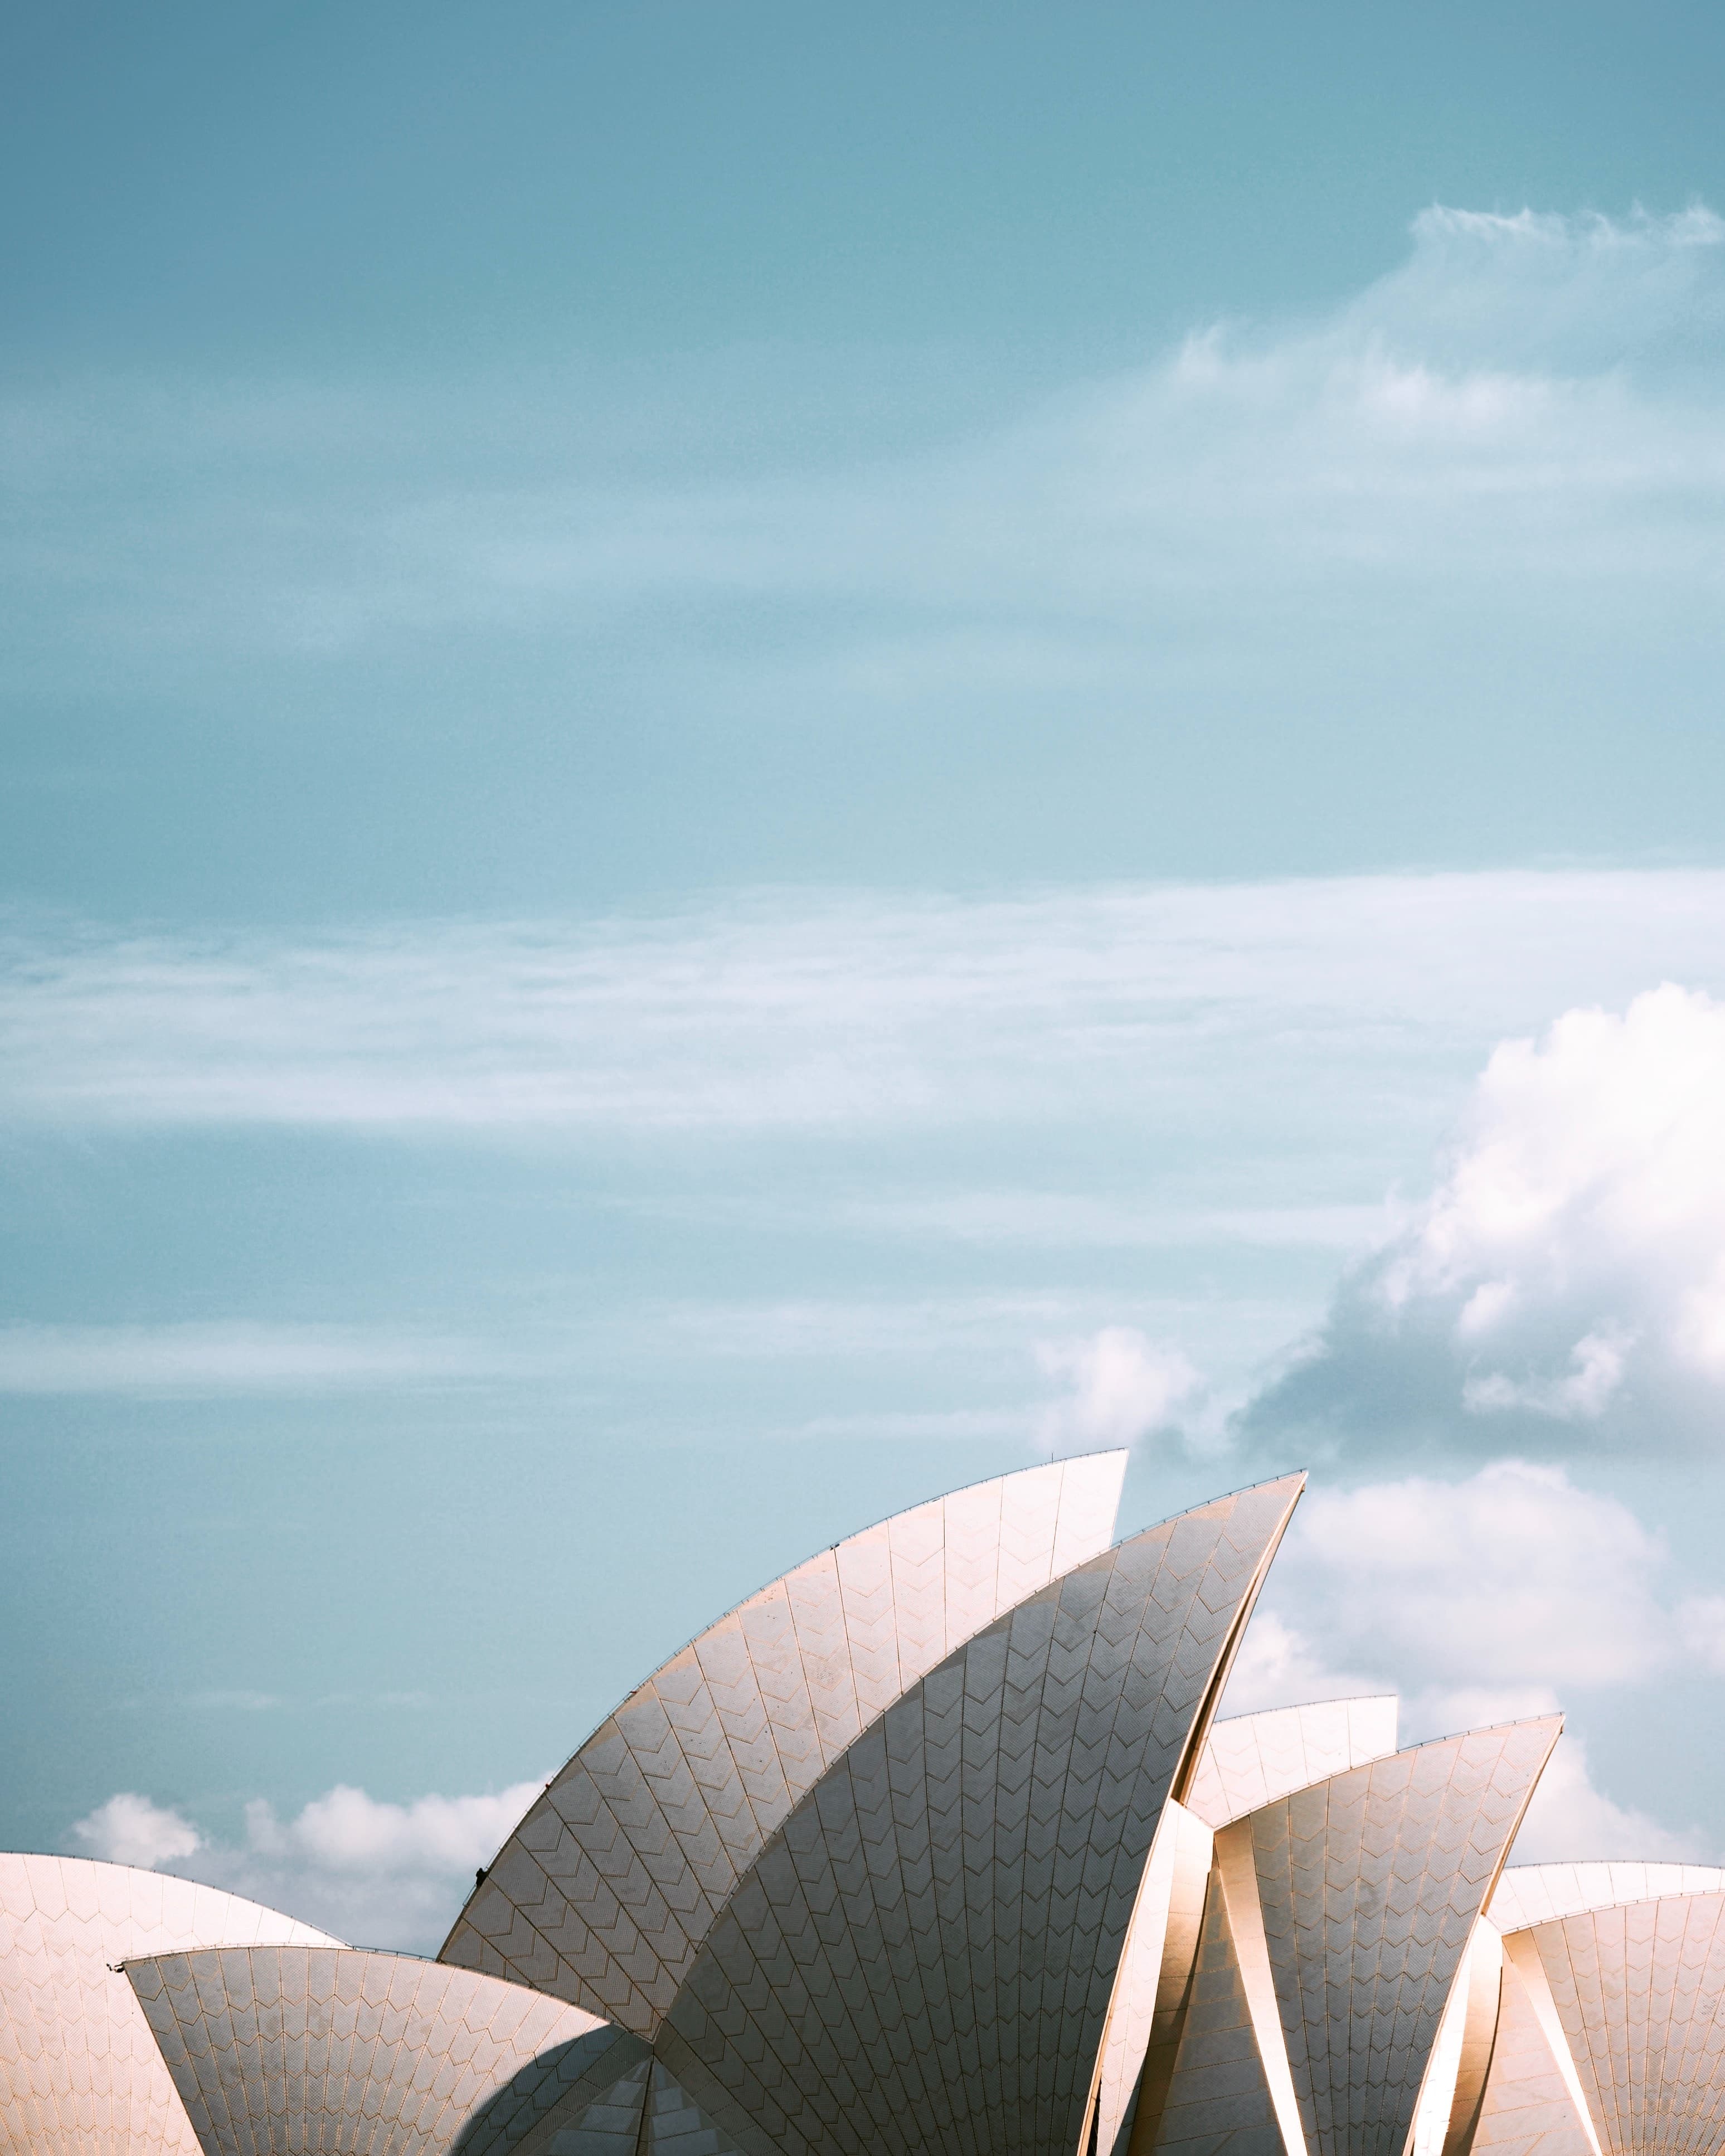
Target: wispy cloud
<point x="1052" y="1219"/>
<point x="805" y="1011"/>
<point x="1519" y="424"/>
<point x="232" y="1357"/>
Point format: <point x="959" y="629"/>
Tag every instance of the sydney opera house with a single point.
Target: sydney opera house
<point x="935" y="1846"/>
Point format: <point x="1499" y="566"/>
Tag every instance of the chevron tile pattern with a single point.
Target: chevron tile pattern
<point x="80" y="2071"/>
<point x="606" y="1892"/>
<point x="299" y="2050"/>
<point x="1370" y="1884"/>
<point x="645" y="2112"/>
<point x="1639" y="1993"/>
<point x="1250" y="1759"/>
<point x="1243" y="1763"/>
<point x="1155" y="1967"/>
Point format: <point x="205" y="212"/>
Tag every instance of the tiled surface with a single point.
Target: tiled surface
<point x="604" y="1893"/>
<point x="613" y="2124"/>
<point x="1370" y="1884"/>
<point x="1454" y="2079"/>
<point x="1160" y="1948"/>
<point x="1639" y="1993"/>
<point x="1245" y="1763"/>
<point x="1531" y="2107"/>
<point x="608" y="2124"/>
<point x="79" y="2070"/>
<point x="277" y="2051"/>
<point x="1534" y="1893"/>
<point x="1250" y="1759"/>
<point x="1204" y="2087"/>
<point x="1483" y="1981"/>
<point x="1236" y="1875"/>
<point x="922" y="1959"/>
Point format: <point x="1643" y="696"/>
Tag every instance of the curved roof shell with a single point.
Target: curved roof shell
<point x="1369" y="1886"/>
<point x="1245" y="1761"/>
<point x="80" y="2074"/>
<point x="1250" y="1759"/>
<point x="606" y="1892"/>
<point x="1336" y="1920"/>
<point x="289" y="2051"/>
<point x="1532" y="2104"/>
<point x="1534" y="1893"/>
<point x="645" y="2112"/>
<point x="922" y="1959"/>
<point x="1629" y="1997"/>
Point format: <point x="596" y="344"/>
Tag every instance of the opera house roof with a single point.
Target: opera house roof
<point x="935" y="1845"/>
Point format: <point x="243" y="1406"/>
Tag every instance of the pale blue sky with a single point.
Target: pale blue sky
<point x="755" y="758"/>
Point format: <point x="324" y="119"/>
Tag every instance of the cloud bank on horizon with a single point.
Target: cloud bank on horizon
<point x="1479" y="1600"/>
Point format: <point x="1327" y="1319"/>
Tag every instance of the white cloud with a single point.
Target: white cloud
<point x="1479" y="1601"/>
<point x="1512" y="1577"/>
<point x="1121" y="1388"/>
<point x="346" y="1830"/>
<point x="1532" y="290"/>
<point x="1582" y="1394"/>
<point x="377" y="1873"/>
<point x="1701" y="1621"/>
<point x="1569" y="1268"/>
<point x="130" y="1830"/>
<point x="224" y="1356"/>
<point x="1278" y="1666"/>
<point x="1572" y="1820"/>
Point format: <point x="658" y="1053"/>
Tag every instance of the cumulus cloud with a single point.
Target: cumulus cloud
<point x="346" y="1830"/>
<point x="1565" y="1284"/>
<point x="1279" y="1666"/>
<point x="1504" y="1595"/>
<point x="130" y="1830"/>
<point x="1512" y="1576"/>
<point x="379" y="1874"/>
<point x="1121" y="1386"/>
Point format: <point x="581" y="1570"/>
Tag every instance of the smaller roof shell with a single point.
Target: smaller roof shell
<point x="1536" y="1893"/>
<point x="290" y="2050"/>
<point x="1250" y="1760"/>
<point x="1634" y="1992"/>
<point x="80" y="2074"/>
<point x="1246" y="1762"/>
<point x="1338" y="1917"/>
